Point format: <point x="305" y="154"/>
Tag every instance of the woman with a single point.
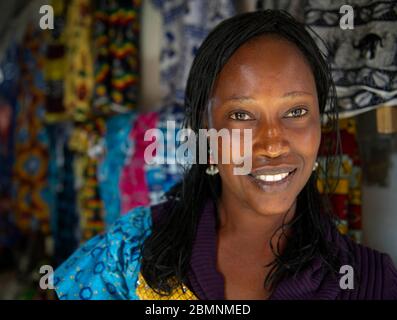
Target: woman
<point x="264" y="235"/>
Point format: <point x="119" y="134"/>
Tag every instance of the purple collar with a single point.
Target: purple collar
<point x="208" y="283"/>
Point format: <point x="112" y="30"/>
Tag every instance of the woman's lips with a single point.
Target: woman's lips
<point x="273" y="179"/>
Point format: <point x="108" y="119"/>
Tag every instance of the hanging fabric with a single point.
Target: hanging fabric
<point x="64" y="215"/>
<point x="87" y="142"/>
<point x="32" y="194"/>
<point x="79" y="78"/>
<point x="9" y="69"/>
<point x="363" y="59"/>
<point x="54" y="68"/>
<point x="345" y="177"/>
<point x="116" y="36"/>
<point x="133" y="184"/>
<point x="118" y="147"/>
<point x="161" y="177"/>
<point x="186" y="23"/>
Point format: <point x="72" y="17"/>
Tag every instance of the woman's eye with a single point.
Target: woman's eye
<point x="296" y="113"/>
<point x="241" y="116"/>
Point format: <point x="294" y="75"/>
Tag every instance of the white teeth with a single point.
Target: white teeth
<point x="273" y="177"/>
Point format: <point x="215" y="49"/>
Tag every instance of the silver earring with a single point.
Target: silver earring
<point x="212" y="169"/>
<point x="315" y="166"/>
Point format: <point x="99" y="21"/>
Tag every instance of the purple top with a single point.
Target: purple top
<point x="376" y="272"/>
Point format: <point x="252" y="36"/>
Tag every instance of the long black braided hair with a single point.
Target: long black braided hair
<point x="166" y="252"/>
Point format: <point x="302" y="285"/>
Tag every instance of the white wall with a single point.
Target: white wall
<point x="151" y="34"/>
<point x="380" y="215"/>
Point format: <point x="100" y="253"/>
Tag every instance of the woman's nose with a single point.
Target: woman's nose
<point x="271" y="142"/>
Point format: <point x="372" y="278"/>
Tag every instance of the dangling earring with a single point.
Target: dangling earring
<point x="212" y="169"/>
<point x="315" y="166"/>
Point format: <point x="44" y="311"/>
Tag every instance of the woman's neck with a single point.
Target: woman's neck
<point x="243" y="225"/>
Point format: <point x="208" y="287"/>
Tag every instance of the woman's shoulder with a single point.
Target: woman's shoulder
<point x="106" y="266"/>
<point x="374" y="271"/>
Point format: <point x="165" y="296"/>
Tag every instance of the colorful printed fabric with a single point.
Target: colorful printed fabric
<point x="99" y="270"/>
<point x="79" y="79"/>
<point x="117" y="148"/>
<point x="9" y="70"/>
<point x="64" y="217"/>
<point x="54" y="68"/>
<point x="86" y="141"/>
<point x="116" y="36"/>
<point x="186" y="23"/>
<point x="31" y="192"/>
<point x="345" y="180"/>
<point x="363" y="60"/>
<point x="133" y="184"/>
<point x="161" y="177"/>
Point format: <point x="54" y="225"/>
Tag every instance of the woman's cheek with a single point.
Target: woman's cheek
<point x="306" y="140"/>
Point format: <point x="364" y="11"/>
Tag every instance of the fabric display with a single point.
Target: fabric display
<point x="64" y="215"/>
<point x="87" y="143"/>
<point x="72" y="138"/>
<point x="30" y="171"/>
<point x="9" y="69"/>
<point x="161" y="177"/>
<point x="79" y="78"/>
<point x="116" y="36"/>
<point x="185" y="25"/>
<point x="346" y="180"/>
<point x="142" y="183"/>
<point x="363" y="60"/>
<point x="134" y="190"/>
<point x="54" y="68"/>
<point x="118" y="147"/>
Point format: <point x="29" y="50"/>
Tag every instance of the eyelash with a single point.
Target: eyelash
<point x="241" y="113"/>
<point x="304" y="110"/>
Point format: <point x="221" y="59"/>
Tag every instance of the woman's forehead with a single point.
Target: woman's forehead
<point x="265" y="65"/>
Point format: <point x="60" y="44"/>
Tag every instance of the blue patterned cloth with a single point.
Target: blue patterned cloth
<point x="64" y="215"/>
<point x="107" y="266"/>
<point x="161" y="177"/>
<point x="186" y="23"/>
<point x="118" y="146"/>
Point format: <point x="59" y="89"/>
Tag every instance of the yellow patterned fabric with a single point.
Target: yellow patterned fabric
<point x="79" y="79"/>
<point x="344" y="178"/>
<point x="144" y="292"/>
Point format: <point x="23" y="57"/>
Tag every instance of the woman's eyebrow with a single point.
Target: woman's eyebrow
<point x="292" y="94"/>
<point x="240" y="98"/>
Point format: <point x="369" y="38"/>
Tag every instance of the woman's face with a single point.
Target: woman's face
<point x="267" y="86"/>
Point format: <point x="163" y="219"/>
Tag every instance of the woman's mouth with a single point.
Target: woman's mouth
<point x="274" y="179"/>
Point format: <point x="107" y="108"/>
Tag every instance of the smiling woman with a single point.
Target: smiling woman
<point x="264" y="235"/>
